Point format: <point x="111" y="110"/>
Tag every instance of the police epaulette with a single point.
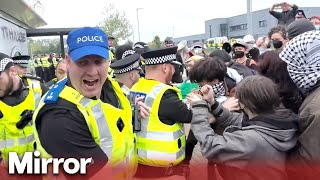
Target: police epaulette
<point x="32" y="77"/>
<point x="53" y="94"/>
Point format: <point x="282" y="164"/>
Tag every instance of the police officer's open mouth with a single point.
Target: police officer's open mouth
<point x="90" y="82"/>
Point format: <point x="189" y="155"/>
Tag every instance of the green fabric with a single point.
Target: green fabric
<point x="186" y="88"/>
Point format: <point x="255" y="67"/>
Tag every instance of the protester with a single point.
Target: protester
<point x="241" y="50"/>
<point x="249" y="148"/>
<point x="198" y="49"/>
<point x="187" y="86"/>
<point x="278" y="37"/>
<point x="271" y="66"/>
<point x="254" y="54"/>
<point x="168" y="42"/>
<point x="300" y="15"/>
<point x="263" y="44"/>
<point x="287" y="16"/>
<point x="232" y="76"/>
<point x="315" y="20"/>
<point x="242" y="70"/>
<point x="298" y="27"/>
<point x="302" y="55"/>
<point x="249" y="40"/>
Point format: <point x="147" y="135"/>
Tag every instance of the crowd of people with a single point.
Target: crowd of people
<point x="252" y="105"/>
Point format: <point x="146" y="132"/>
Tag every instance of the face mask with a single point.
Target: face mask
<point x="239" y="54"/>
<point x="218" y="90"/>
<point x="317" y="27"/>
<point x="277" y="44"/>
<point x="262" y="50"/>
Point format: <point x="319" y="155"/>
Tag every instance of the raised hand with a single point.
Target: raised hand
<point x="232" y="104"/>
<point x="208" y="94"/>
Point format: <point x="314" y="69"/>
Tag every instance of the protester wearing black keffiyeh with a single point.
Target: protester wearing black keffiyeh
<point x="302" y="54"/>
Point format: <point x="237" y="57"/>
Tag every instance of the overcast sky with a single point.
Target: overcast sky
<point x="158" y="17"/>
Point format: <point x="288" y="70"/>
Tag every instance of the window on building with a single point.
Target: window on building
<point x="263" y="23"/>
<point x="238" y="27"/>
<point x="224" y="29"/>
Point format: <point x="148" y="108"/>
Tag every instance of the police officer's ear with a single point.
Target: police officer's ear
<point x="131" y="75"/>
<point x="164" y="67"/>
<point x="12" y="71"/>
<point x="68" y="60"/>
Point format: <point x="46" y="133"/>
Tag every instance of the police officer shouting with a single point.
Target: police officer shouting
<point x="19" y="97"/>
<point x="161" y="141"/>
<point x="72" y="121"/>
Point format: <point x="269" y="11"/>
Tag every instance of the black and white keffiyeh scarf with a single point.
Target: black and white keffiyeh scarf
<point x="219" y="89"/>
<point x="302" y="55"/>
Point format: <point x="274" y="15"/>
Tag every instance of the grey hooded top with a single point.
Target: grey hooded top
<point x="256" y="148"/>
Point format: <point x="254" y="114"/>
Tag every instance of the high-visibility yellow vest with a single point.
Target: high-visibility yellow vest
<point x="45" y="62"/>
<point x="55" y="61"/>
<point x="111" y="55"/>
<point x="102" y="120"/>
<point x="127" y="118"/>
<point x="13" y="139"/>
<point x="158" y="144"/>
<point x="39" y="64"/>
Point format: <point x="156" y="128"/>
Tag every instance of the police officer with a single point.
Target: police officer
<point x="38" y="66"/>
<point x="127" y="71"/>
<point x="111" y="47"/>
<point x="161" y="141"/>
<point x="116" y="90"/>
<point x="45" y="65"/>
<point x="141" y="47"/>
<point x="72" y="121"/>
<point x="19" y="97"/>
<point x="21" y="63"/>
<point x="60" y="73"/>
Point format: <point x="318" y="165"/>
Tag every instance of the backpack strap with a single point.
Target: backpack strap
<point x="248" y="62"/>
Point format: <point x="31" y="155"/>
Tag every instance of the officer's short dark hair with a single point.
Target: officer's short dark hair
<point x="8" y="66"/>
<point x="258" y="93"/>
<point x="209" y="69"/>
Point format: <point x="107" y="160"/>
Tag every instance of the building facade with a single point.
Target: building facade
<point x="236" y="26"/>
<point x="191" y="39"/>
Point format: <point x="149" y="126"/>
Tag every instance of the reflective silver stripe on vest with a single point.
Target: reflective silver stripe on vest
<point x="8" y="143"/>
<point x="149" y="102"/>
<point x="37" y="95"/>
<point x="169" y="136"/>
<point x="85" y="102"/>
<point x="103" y="128"/>
<point x="27" y="140"/>
<point x="155" y="155"/>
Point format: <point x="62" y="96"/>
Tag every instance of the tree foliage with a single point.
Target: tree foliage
<point x="44" y="46"/>
<point x="157" y="42"/>
<point x="116" y="23"/>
